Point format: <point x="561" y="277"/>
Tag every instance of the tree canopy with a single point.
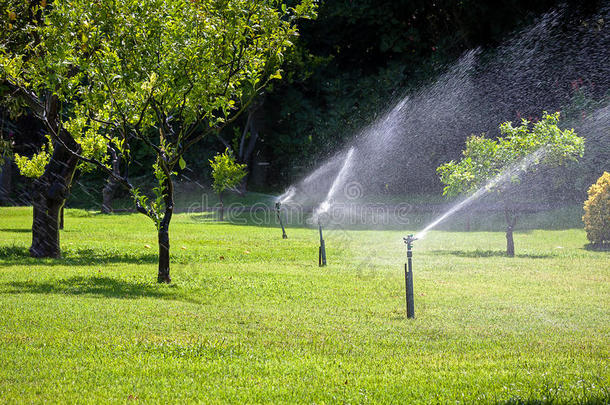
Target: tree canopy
<point x="485" y="158"/>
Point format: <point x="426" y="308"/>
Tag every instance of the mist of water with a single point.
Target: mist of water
<point x="543" y="67"/>
<point x="504" y="177"/>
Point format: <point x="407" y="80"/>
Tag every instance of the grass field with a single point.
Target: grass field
<point x="252" y="318"/>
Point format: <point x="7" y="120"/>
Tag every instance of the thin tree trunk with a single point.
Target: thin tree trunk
<point x="61" y="217"/>
<point x="49" y="196"/>
<point x="163" y="275"/>
<point x="511" y="220"/>
<point x="222" y="207"/>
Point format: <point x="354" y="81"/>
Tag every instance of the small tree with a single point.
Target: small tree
<point x="495" y="164"/>
<point x="227" y="174"/>
<point x="597" y="211"/>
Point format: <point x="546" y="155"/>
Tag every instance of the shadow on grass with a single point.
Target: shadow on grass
<point x="489" y="253"/>
<point x="74" y="257"/>
<point x="16" y="230"/>
<point x="598" y="247"/>
<point x="100" y="287"/>
<point x="97" y="286"/>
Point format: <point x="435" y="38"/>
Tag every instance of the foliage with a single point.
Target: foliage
<point x="483" y="159"/>
<point x="124" y="68"/>
<point x="33" y="167"/>
<point x="597" y="211"/>
<point x="226" y="172"/>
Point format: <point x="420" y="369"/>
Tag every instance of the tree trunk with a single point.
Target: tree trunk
<point x="510" y="243"/>
<point x="49" y="195"/>
<point x="511" y="220"/>
<point x="111" y="185"/>
<point x="222" y="207"/>
<point x="6" y="174"/>
<point x="61" y="217"/>
<point x="163" y="275"/>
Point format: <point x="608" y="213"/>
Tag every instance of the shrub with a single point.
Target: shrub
<point x="597" y="211"/>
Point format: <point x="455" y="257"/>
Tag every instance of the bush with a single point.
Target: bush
<point x="597" y="211"/>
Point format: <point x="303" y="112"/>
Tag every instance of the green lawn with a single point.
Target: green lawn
<point x="251" y="318"/>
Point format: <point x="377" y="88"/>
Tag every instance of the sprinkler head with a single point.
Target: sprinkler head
<point x="409" y="241"/>
<point x="277" y="205"/>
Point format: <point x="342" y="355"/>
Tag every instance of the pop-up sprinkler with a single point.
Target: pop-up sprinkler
<point x="279" y="217"/>
<point x="322" y="250"/>
<point x="409" y="276"/>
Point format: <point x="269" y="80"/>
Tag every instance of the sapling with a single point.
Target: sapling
<point x="227" y="174"/>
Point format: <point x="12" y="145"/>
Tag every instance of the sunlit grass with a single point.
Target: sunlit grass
<point x="250" y="317"/>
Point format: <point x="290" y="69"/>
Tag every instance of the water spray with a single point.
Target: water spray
<point x="501" y="178"/>
<point x="322" y="249"/>
<point x="279" y="217"/>
<point x="409" y="276"/>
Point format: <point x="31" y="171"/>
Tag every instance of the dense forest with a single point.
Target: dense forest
<point x="358" y="58"/>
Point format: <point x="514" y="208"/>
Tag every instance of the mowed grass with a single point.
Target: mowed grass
<point x="251" y="318"/>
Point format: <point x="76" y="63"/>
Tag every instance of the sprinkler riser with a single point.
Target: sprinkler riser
<point x="409" y="289"/>
<point x="410" y="301"/>
<point x="279" y="218"/>
<point x="322" y="249"/>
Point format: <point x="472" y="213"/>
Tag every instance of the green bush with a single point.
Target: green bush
<point x="597" y="211"/>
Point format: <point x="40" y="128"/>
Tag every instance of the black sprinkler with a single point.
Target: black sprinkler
<point x="322" y="250"/>
<point x="279" y="218"/>
<point x="409" y="276"/>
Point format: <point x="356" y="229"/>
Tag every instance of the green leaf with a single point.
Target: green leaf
<point x="182" y="163"/>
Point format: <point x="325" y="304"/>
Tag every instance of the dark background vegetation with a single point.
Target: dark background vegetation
<point x="348" y="66"/>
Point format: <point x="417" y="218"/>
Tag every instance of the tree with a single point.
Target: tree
<point x="27" y="83"/>
<point x="166" y="73"/>
<point x="496" y="164"/>
<point x="227" y="174"/>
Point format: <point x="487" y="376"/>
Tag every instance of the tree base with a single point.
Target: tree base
<point x="164" y="277"/>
